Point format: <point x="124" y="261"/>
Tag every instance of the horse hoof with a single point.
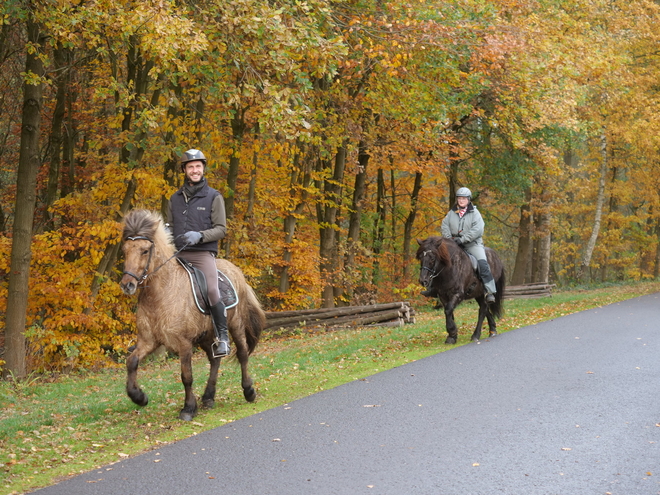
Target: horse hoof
<point x="450" y="340"/>
<point x="475" y="339"/>
<point x="208" y="403"/>
<point x="139" y="397"/>
<point x="492" y="334"/>
<point x="250" y="394"/>
<point x="186" y="416"/>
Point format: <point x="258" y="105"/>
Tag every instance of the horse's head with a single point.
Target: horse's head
<point x="143" y="231"/>
<point x="434" y="258"/>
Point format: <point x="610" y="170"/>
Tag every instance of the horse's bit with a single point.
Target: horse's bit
<point x="433" y="274"/>
<point x="145" y="273"/>
<point x="143" y="277"/>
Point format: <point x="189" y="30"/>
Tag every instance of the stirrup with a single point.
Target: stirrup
<point x="220" y="348"/>
<point x="490" y="298"/>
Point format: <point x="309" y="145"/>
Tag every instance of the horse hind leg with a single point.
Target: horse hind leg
<point x="242" y="354"/>
<point x="483" y="313"/>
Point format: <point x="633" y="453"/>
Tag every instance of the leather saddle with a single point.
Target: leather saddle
<point x="228" y="294"/>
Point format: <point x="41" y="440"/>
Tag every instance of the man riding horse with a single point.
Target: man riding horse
<point x="196" y="214"/>
<point x="465" y="225"/>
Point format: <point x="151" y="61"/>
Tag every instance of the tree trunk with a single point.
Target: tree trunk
<point x="62" y="57"/>
<point x="656" y="268"/>
<point x="251" y="199"/>
<point x="408" y="226"/>
<point x="238" y="128"/>
<point x="354" y="225"/>
<point x="26" y="187"/>
<point x="378" y="234"/>
<point x="299" y="181"/>
<point x="521" y="268"/>
<point x="543" y="245"/>
<point x="583" y="271"/>
<point x="327" y="218"/>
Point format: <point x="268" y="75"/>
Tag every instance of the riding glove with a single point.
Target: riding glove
<point x="192" y="237"/>
<point x="458" y="241"/>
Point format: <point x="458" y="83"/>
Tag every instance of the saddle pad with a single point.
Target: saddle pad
<point x="227" y="290"/>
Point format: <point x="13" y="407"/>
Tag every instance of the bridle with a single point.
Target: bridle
<point x="146" y="273"/>
<point x="433" y="274"/>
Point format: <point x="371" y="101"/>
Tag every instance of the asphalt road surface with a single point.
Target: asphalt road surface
<point x="566" y="407"/>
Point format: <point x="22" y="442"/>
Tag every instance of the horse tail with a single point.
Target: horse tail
<point x="497" y="308"/>
<point x="256" y="320"/>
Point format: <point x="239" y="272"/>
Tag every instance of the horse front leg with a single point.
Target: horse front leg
<point x="133" y="390"/>
<point x="208" y="399"/>
<point x="190" y="402"/>
<point x="452" y="329"/>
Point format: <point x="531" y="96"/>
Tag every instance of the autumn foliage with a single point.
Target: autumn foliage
<point x="337" y="133"/>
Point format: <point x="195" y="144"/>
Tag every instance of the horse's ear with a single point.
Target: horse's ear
<point x="419" y="242"/>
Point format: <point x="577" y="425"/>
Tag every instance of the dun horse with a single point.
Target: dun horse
<point x="168" y="315"/>
<point x="447" y="269"/>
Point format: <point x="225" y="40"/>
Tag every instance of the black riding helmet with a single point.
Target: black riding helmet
<point x="191" y="156"/>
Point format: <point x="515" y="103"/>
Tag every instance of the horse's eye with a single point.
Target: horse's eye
<point x="145" y="252"/>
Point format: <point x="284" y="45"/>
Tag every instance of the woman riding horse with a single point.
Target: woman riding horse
<point x="465" y="225"/>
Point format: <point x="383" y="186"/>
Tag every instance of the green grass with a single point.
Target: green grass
<point x="50" y="430"/>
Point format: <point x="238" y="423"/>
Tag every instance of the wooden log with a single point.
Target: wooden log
<point x="273" y="319"/>
<point x="335" y="311"/>
<point x="353" y="319"/>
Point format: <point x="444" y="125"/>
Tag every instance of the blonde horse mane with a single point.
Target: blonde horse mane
<point x="145" y="223"/>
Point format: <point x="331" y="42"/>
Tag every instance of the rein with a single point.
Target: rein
<point x="146" y="273"/>
<point x="433" y="274"/>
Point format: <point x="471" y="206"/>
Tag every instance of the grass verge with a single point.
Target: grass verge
<point x="53" y="430"/>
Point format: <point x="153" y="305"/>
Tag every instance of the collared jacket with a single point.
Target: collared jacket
<point x="469" y="228"/>
<point x="204" y="213"/>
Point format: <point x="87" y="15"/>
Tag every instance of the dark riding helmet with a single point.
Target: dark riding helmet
<point x="191" y="156"/>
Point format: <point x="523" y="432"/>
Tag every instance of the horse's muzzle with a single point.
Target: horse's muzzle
<point x="128" y="286"/>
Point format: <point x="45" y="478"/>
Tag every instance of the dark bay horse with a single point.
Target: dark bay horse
<point x="447" y="270"/>
<point x="167" y="314"/>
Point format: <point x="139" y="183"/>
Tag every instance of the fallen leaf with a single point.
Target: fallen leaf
<point x="475" y="464"/>
<point x="566" y="448"/>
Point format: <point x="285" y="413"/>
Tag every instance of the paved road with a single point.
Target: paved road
<point x="567" y="407"/>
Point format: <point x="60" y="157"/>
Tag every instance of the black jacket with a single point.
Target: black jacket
<point x="204" y="213"/>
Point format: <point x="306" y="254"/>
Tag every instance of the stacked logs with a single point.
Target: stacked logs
<point x="388" y="314"/>
<point x="538" y="289"/>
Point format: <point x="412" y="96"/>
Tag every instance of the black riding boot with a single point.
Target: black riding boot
<point x="488" y="281"/>
<point x="220" y="346"/>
